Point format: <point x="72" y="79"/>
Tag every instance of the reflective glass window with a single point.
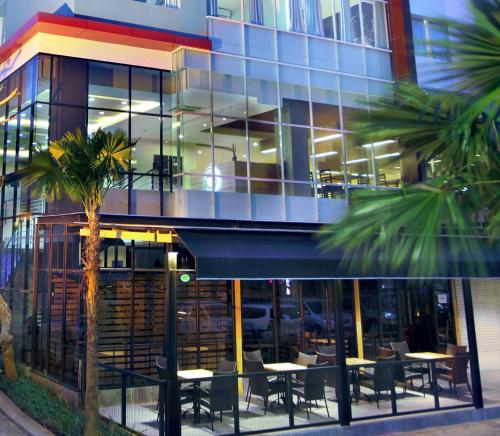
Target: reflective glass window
<point x="69" y="81"/>
<point x="294" y="95"/>
<point x="388" y="163"/>
<point x="41" y="133"/>
<point x="228" y="86"/>
<point x="260" y="42"/>
<point x="24" y="137"/>
<point x="169" y="92"/>
<point x="43" y="83"/>
<point x="381" y="25"/>
<point x="323" y="54"/>
<point x="260" y="12"/>
<point x="107" y="120"/>
<point x="325" y="100"/>
<point x="28" y="80"/>
<point x="10" y="156"/>
<point x="230" y="147"/>
<point x="359" y="162"/>
<point x="297" y="153"/>
<point x="193" y="82"/>
<point x="145" y="91"/>
<point x="265" y="153"/>
<point x="227" y="36"/>
<point x="367" y="9"/>
<point x="328" y="157"/>
<point x="229" y="9"/>
<point x="354" y="99"/>
<point x="146" y="153"/>
<point x="66" y="119"/>
<point x="292" y="48"/>
<point x="13" y="84"/>
<point x="262" y="90"/>
<point x="108" y="86"/>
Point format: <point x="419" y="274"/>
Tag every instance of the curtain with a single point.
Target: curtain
<point x="172" y="3"/>
<point x="314" y="18"/>
<point x="256" y="12"/>
<point x="297" y="16"/>
<point x="380" y="25"/>
<point x="212" y="7"/>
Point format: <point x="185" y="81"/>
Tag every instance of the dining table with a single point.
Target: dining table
<point x="195" y="375"/>
<point x="353" y="365"/>
<point x="428" y="356"/>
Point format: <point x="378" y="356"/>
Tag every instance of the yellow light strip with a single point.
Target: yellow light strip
<point x="164" y="238"/>
<point x="10" y="96"/>
<point x="456" y="316"/>
<point x="238" y="331"/>
<point x="357" y="315"/>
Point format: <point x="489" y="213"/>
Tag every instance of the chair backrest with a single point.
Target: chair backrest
<point x="459" y="367"/>
<point x="330" y="374"/>
<point x="383" y="377"/>
<point x="461" y="349"/>
<point x="327" y="349"/>
<point x="161" y="361"/>
<point x="385" y="352"/>
<point x="226" y="366"/>
<point x="451" y="349"/>
<point x="305" y="360"/>
<point x="253" y="355"/>
<point x="222" y="390"/>
<point x="162" y="370"/>
<point x="401" y="349"/>
<point x="314" y="382"/>
<point x="259" y="384"/>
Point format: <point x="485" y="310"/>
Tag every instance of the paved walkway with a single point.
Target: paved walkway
<point x="484" y="428"/>
<point x="9" y="427"/>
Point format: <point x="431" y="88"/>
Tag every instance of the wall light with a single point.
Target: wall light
<point x="172" y="260"/>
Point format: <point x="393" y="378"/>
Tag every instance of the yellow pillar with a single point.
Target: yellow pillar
<point x="455" y="311"/>
<point x="238" y="331"/>
<point x="357" y="315"/>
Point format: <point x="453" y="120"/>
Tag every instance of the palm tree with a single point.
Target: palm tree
<point x="82" y="169"/>
<point x="418" y="225"/>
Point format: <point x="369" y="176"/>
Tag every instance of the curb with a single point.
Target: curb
<point x="21" y="419"/>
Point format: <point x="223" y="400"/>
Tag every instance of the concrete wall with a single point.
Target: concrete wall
<point x="486" y="302"/>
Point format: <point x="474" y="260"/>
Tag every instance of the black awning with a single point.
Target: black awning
<point x="251" y="255"/>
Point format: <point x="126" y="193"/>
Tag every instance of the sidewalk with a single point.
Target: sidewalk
<point x="14" y="422"/>
<point x="483" y="428"/>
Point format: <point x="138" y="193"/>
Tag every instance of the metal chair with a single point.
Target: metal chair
<point x="313" y="388"/>
<point x="457" y="373"/>
<point x="327" y="349"/>
<point x="382" y="379"/>
<point x="304" y="360"/>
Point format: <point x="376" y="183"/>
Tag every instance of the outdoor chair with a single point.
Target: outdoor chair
<point x="330" y="373"/>
<point x="382" y="379"/>
<point x="313" y="388"/>
<point x="253" y="355"/>
<point x="219" y="397"/>
<point x="457" y="373"/>
<point x="260" y="385"/>
<point x="304" y="360"/>
<point x="451" y="350"/>
<point x="401" y="349"/>
<point x="404" y="375"/>
<point x="226" y="366"/>
<point x="385" y="352"/>
<point x="327" y="349"/>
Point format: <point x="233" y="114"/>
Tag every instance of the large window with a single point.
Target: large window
<point x="424" y="33"/>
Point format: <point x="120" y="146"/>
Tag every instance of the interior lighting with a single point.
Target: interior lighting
<point x="268" y="151"/>
<point x="328" y="138"/>
<point x="380" y="143"/>
<point x="326" y="153"/>
<point x="385" y="156"/>
<point x="356" y="161"/>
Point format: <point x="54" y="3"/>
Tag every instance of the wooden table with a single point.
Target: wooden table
<point x="351" y="361"/>
<point x="322" y="341"/>
<point x="195" y="375"/>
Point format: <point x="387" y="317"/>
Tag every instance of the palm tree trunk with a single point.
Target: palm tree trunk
<point x="6" y="341"/>
<point x="91" y="262"/>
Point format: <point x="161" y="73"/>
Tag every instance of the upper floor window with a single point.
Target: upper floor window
<point x="176" y="4"/>
<point x="425" y="33"/>
<point x="358" y="21"/>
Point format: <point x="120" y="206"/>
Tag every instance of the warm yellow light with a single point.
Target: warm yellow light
<point x="172" y="260"/>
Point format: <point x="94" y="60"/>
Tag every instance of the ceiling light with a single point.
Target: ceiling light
<point x="224" y="119"/>
<point x="328" y="138"/>
<point x="124" y="102"/>
<point x="91" y="99"/>
<point x="101" y="113"/>
<point x="356" y="161"/>
<point x="39" y="105"/>
<point x="378" y="144"/>
<point x="255" y="144"/>
<point x="181" y="136"/>
<point x="268" y="151"/>
<point x="326" y="153"/>
<point x="385" y="156"/>
<point x="204" y="124"/>
<point x="200" y="152"/>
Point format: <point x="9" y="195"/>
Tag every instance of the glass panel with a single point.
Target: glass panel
<point x="169" y="93"/>
<point x="229" y="9"/>
<point x="109" y="121"/>
<point x="28" y="83"/>
<point x="108" y="86"/>
<point x="13" y="84"/>
<point x="41" y="133"/>
<point x="146" y="154"/>
<point x="194" y="82"/>
<point x="145" y="91"/>
<point x="323" y="54"/>
<point x="227" y="36"/>
<point x="228" y="86"/>
<point x="10" y="158"/>
<point x="69" y="81"/>
<point x="260" y="12"/>
<point x="24" y="138"/>
<point x="354" y="98"/>
<point x="368" y="24"/>
<point x="260" y="43"/>
<point x="388" y="163"/>
<point x="355" y="21"/>
<point x="193" y="136"/>
<point x="381" y="26"/>
<point x="43" y="86"/>
<point x="359" y="162"/>
<point x="325" y="100"/>
<point x="419" y="38"/>
<point x="230" y="147"/>
<point x="292" y="48"/>
<point x="265" y="154"/>
<point x="328" y="157"/>
<point x="297" y="153"/>
<point x="294" y="96"/>
<point x="378" y="64"/>
<point x="288" y="329"/>
<point x="66" y="119"/>
<point x="327" y="18"/>
<point x="262" y="90"/>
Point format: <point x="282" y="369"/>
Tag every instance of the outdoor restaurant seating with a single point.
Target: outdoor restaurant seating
<point x="330" y="374"/>
<point x="226" y="366"/>
<point x="313" y="388"/>
<point x="456" y="374"/>
<point x="260" y="385"/>
<point x="327" y="349"/>
<point x="253" y="355"/>
<point x="219" y="396"/>
<point x="382" y="378"/>
<point x="304" y="360"/>
<point x="402" y="349"/>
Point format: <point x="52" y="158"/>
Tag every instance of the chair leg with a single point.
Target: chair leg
<point x="456" y="392"/>
<point x="248" y="392"/>
<point x="212" y="420"/>
<point x="378" y="399"/>
<point x="221" y="416"/>
<point x="468" y="386"/>
<point x="265" y="405"/>
<point x="307" y="409"/>
<point x="248" y="402"/>
<point x="326" y="405"/>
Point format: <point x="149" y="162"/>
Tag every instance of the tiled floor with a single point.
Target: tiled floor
<point x="143" y="417"/>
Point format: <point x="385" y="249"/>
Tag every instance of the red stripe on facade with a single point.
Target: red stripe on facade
<point x="86" y="28"/>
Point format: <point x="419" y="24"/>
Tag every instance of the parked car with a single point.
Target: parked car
<point x="315" y="317"/>
<point x="259" y="317"/>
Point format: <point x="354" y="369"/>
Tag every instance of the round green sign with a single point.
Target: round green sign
<point x="185" y="278"/>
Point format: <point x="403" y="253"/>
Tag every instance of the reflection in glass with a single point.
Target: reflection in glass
<point x="297" y="153"/>
<point x="262" y="90"/>
<point x="107" y="120"/>
<point x="193" y="81"/>
<point x="146" y="154"/>
<point x="43" y="84"/>
<point x="359" y="162"/>
<point x="228" y="86"/>
<point x="41" y="133"/>
<point x="108" y="86"/>
<point x="265" y="153"/>
<point x="294" y="96"/>
<point x="325" y="100"/>
<point x="145" y="91"/>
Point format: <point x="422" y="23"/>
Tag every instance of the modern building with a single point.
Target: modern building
<point x="242" y="112"/>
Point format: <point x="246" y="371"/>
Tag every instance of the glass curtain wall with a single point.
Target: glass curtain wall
<point x="358" y="21"/>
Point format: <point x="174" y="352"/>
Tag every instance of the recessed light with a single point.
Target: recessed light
<point x="21" y="135"/>
<point x="255" y="144"/>
<point x="224" y="119"/>
<point x="91" y="99"/>
<point x="38" y="105"/>
<point x="23" y="115"/>
<point x="124" y="102"/>
<point x="204" y="124"/>
<point x="8" y="141"/>
<point x="101" y="113"/>
<point x="200" y="152"/>
<point x="181" y="136"/>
